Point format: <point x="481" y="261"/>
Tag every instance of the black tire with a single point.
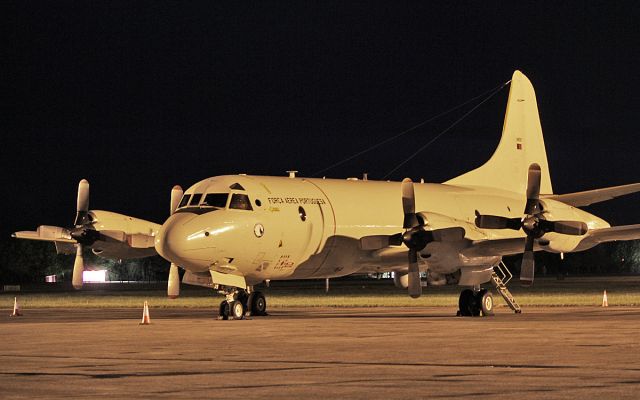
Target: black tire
<point x="249" y="304"/>
<point x="485" y="301"/>
<point x="258" y="303"/>
<point x="466" y="303"/>
<point x="236" y="309"/>
<point x="244" y="298"/>
<point x="224" y="310"/>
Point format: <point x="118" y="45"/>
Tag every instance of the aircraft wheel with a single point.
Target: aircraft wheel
<point x="467" y="304"/>
<point x="236" y="309"/>
<point x="258" y="303"/>
<point x="224" y="311"/>
<point x="484" y="299"/>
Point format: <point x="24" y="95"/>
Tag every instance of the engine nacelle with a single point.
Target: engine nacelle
<point x="110" y="221"/>
<point x="557" y="211"/>
<point x="122" y="237"/>
<point x="52" y="232"/>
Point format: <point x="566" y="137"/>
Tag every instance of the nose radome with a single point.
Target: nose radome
<point x="171" y="240"/>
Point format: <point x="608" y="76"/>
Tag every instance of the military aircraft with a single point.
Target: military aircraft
<point x="234" y="232"/>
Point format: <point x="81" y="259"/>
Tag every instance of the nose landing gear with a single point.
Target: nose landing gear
<point x="239" y="304"/>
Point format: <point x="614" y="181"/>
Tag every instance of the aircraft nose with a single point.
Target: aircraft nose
<point x="172" y="238"/>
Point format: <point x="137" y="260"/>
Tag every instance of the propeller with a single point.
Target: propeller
<point x="173" y="284"/>
<point x="82" y="204"/>
<point x="533" y="225"/>
<point x="78" y="267"/>
<point x="414" y="237"/>
<point x="80" y="233"/>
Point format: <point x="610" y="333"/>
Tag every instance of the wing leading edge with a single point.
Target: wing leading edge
<point x="504" y="247"/>
<point x="581" y="199"/>
<point x="623" y="232"/>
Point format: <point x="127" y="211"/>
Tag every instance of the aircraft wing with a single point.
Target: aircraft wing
<point x="59" y="236"/>
<point x="46" y="233"/>
<point x="504" y="247"/>
<point x="499" y="247"/>
<point x="623" y="232"/>
<point x="580" y="199"/>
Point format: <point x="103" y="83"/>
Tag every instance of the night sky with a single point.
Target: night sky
<point x="138" y="96"/>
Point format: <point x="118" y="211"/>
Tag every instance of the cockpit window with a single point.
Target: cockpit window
<point x="195" y="200"/>
<point x="240" y="202"/>
<point x="184" y="201"/>
<point x="215" y="200"/>
<point x="236" y="186"/>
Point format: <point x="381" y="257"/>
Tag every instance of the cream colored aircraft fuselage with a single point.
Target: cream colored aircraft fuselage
<point x="300" y="228"/>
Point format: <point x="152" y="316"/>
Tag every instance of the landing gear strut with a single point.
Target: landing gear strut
<point x="475" y="303"/>
<point x="239" y="303"/>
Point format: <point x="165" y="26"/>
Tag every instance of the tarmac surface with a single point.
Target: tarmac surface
<point x="389" y="353"/>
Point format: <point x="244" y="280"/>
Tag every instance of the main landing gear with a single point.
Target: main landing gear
<point x="475" y="303"/>
<point x="239" y="304"/>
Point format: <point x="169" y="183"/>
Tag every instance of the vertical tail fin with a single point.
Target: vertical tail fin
<point x="521" y="145"/>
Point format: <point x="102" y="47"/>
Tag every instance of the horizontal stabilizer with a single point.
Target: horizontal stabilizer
<point x="581" y="199"/>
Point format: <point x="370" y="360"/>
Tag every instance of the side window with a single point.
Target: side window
<point x="195" y="200"/>
<point x="302" y="213"/>
<point x="215" y="200"/>
<point x="184" y="201"/>
<point x="240" y="202"/>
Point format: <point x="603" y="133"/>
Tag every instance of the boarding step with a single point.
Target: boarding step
<point x="500" y="277"/>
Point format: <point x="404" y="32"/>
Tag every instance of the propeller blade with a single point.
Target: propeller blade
<point x="527" y="268"/>
<point x="497" y="222"/>
<point x="576" y="228"/>
<point x="533" y="189"/>
<point x="408" y="204"/>
<point x="173" y="286"/>
<point x="415" y="288"/>
<point x="395" y="240"/>
<point x="78" y="268"/>
<point x="82" y="204"/>
<point x="176" y="196"/>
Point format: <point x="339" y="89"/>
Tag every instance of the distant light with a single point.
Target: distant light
<point x="94" y="276"/>
<point x="50" y="279"/>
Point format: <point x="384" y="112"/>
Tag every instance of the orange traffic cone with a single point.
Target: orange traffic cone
<point x="605" y="302"/>
<point x="16" y="308"/>
<point x="145" y="315"/>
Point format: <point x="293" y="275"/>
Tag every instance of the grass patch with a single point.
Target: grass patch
<point x="621" y="291"/>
